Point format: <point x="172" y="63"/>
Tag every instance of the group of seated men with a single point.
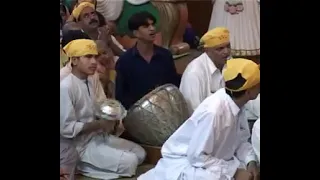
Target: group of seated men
<point x="216" y="87"/>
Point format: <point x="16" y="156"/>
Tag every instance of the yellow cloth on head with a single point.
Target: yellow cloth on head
<point x="248" y="69"/>
<point x="215" y="37"/>
<point x="63" y="58"/>
<point x="81" y="47"/>
<point x="77" y="10"/>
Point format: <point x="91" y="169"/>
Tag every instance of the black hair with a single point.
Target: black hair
<point x="140" y="19"/>
<point x="73" y="35"/>
<point x="235" y="94"/>
<point x="102" y="20"/>
<point x="235" y="84"/>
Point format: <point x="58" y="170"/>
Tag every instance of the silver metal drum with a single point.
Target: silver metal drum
<point x="154" y="118"/>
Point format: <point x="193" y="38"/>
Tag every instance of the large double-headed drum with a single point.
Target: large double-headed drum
<point x="153" y="119"/>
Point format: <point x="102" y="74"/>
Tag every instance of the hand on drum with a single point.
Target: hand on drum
<point x="119" y="129"/>
<point x="108" y="126"/>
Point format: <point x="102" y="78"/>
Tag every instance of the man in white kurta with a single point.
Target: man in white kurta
<point x="202" y="77"/>
<point x="255" y="139"/>
<point x="101" y="157"/>
<point x="213" y="143"/>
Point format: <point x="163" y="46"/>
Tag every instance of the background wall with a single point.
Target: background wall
<point x="199" y="15"/>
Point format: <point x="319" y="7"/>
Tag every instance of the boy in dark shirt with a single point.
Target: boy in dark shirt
<point x="145" y="66"/>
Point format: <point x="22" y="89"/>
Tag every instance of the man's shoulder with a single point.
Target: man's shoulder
<point x="127" y="53"/>
<point x="124" y="58"/>
<point x="198" y="60"/>
<point x="66" y="83"/>
<point x="162" y="50"/>
<point x="212" y="109"/>
<point x="195" y="67"/>
<point x="215" y="103"/>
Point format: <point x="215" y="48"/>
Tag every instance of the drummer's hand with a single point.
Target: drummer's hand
<point x="105" y="34"/>
<point x="107" y="126"/>
<point x="119" y="129"/>
<point x="63" y="174"/>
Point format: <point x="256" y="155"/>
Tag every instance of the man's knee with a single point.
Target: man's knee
<point x="69" y="157"/>
<point x="129" y="163"/>
<point x="140" y="153"/>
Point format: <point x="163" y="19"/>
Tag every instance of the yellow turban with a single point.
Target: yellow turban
<point x="77" y="10"/>
<point x="81" y="47"/>
<point x="215" y="37"/>
<point x="247" y="69"/>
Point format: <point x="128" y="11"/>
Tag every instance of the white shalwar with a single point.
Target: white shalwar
<point x="255" y="139"/>
<point x="101" y="157"/>
<point x="211" y="145"/>
<point x="200" y="79"/>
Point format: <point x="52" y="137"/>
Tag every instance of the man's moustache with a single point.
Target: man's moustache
<point x="93" y="21"/>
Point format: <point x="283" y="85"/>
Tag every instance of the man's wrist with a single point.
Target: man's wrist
<point x="252" y="163"/>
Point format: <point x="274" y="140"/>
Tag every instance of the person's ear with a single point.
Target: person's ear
<point x="248" y="93"/>
<point x="74" y="61"/>
<point x="135" y="33"/>
<point x="252" y="92"/>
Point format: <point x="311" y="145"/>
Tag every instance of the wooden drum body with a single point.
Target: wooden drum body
<point x="154" y="118"/>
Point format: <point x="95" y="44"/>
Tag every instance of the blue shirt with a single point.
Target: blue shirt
<point x="136" y="77"/>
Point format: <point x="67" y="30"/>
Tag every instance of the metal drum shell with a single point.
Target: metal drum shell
<point x="154" y="118"/>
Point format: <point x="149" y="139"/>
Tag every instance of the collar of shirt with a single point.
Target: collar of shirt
<point x="68" y="69"/>
<point x="215" y="74"/>
<point x="210" y="64"/>
<point x="87" y="80"/>
<point x="156" y="51"/>
<point x="233" y="106"/>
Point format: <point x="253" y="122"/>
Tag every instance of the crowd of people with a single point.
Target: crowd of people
<point x="220" y="91"/>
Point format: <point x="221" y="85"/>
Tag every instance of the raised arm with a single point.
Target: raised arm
<point x="201" y="148"/>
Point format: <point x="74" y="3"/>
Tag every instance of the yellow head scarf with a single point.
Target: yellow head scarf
<point x="215" y="37"/>
<point x="81" y="47"/>
<point x="246" y="68"/>
<point x="77" y="10"/>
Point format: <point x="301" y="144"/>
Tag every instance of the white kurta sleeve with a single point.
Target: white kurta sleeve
<point x="190" y="87"/>
<point x="201" y="147"/>
<point x="69" y="126"/>
<point x="245" y="151"/>
<point x="256" y="138"/>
